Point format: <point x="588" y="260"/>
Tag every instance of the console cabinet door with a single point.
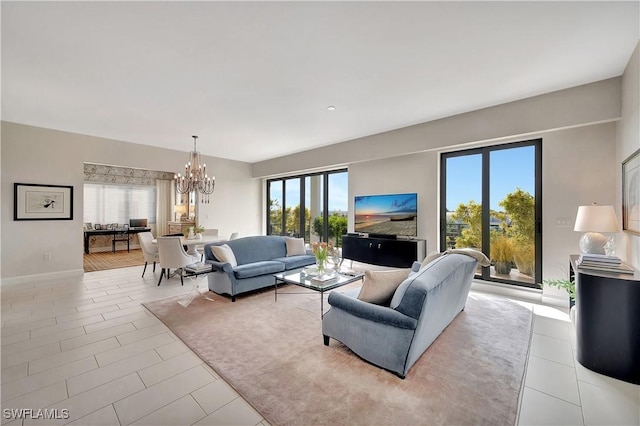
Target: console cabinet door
<point x="381" y="251"/>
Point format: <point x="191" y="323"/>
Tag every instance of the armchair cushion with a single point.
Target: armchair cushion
<point x="224" y="254"/>
<point x="379" y="286"/>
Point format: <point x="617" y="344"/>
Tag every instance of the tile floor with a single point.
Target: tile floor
<point x="87" y="351"/>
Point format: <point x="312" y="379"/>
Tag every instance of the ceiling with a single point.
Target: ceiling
<point x="254" y="79"/>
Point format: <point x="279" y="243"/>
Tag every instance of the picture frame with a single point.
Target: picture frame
<point x="97" y="227"/>
<point x="631" y="193"/>
<point x="42" y="202"/>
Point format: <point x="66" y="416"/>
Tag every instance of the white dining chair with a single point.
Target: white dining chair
<point x="212" y="231"/>
<point x="173" y="255"/>
<point x="233" y="236"/>
<point x="149" y="250"/>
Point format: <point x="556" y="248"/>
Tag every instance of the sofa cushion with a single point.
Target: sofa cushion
<point x="295" y="262"/>
<point x="258" y="268"/>
<point x="258" y="248"/>
<point x="379" y="286"/>
<point x="224" y="254"/>
<point x="295" y="246"/>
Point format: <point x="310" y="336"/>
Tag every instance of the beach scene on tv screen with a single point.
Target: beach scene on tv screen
<point x="387" y="214"/>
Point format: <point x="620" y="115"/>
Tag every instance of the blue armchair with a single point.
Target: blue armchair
<point x="395" y="337"/>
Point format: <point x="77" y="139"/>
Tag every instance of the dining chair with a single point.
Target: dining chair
<point x="149" y="250"/>
<point x="211" y="231"/>
<point x="233" y="236"/>
<point x="173" y="255"/>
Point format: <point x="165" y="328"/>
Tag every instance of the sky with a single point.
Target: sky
<point x="510" y="169"/>
<point x="338" y="192"/>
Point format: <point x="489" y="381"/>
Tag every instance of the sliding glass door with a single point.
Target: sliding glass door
<point x="491" y="201"/>
<point x="312" y="206"/>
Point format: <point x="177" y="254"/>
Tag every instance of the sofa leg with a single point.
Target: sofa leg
<point x="326" y="339"/>
<point x="233" y="298"/>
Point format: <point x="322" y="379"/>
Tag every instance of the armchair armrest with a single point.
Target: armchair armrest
<point x="371" y="312"/>
<point x="220" y="266"/>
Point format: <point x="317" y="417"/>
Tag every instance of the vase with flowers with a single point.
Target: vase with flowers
<point x="321" y="251"/>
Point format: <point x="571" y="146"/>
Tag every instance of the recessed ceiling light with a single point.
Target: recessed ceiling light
<point x="331" y="108"/>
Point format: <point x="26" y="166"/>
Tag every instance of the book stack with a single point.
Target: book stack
<point x="603" y="263"/>
<point x="198" y="267"/>
<point x="325" y="279"/>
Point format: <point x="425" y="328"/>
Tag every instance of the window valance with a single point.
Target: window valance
<point x="100" y="173"/>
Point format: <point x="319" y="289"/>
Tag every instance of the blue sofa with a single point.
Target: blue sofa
<point x="394" y="337"/>
<point x="258" y="258"/>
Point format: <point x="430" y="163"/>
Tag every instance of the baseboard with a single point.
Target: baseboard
<point x="522" y="293"/>
<point x="72" y="273"/>
<point x="109" y="249"/>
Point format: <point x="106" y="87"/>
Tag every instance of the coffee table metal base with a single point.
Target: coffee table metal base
<point x="305" y="281"/>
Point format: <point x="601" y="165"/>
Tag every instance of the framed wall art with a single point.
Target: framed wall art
<point x="42" y="202"/>
<point x="631" y="193"/>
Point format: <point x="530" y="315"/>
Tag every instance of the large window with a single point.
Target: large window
<point x="491" y="201"/>
<point x="296" y="206"/>
<point x="105" y="203"/>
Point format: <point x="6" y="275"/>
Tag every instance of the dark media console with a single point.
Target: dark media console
<point x="383" y="250"/>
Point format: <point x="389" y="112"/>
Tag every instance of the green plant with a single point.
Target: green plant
<point x="568" y="285"/>
<point x="197" y="229"/>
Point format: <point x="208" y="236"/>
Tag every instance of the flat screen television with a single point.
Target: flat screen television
<point x="391" y="214"/>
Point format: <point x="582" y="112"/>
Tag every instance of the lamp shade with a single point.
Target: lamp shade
<point x="596" y="219"/>
<point x="180" y="208"/>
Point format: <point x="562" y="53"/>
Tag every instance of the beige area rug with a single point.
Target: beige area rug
<point x="272" y="353"/>
<point x="101" y="261"/>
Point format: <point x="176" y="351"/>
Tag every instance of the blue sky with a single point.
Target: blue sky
<point x="338" y="190"/>
<point x="510" y="169"/>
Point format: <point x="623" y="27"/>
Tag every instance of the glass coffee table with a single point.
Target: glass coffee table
<point x="326" y="282"/>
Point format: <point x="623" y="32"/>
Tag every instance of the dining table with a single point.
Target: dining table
<point x="192" y="243"/>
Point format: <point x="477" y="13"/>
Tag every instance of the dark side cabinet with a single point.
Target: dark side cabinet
<point x="383" y="251"/>
<point x="608" y="322"/>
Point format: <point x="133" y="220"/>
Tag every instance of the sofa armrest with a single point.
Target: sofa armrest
<point x="220" y="266"/>
<point x="371" y="312"/>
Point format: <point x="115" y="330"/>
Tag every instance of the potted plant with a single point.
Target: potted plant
<point x="502" y="254"/>
<point x="525" y="257"/>
<point x="570" y="287"/>
<point x="195" y="232"/>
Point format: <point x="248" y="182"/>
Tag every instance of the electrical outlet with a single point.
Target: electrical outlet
<point x="47" y="256"/>
<point x="564" y="222"/>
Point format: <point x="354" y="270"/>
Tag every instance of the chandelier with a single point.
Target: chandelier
<point x="195" y="176"/>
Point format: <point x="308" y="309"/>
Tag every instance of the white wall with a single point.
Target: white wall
<point x="628" y="245"/>
<point x="36" y="155"/>
<point x="577" y="106"/>
<point x="410" y="173"/>
<point x="578" y="168"/>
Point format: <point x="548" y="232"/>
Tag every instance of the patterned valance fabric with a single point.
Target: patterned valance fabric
<point x="100" y="173"/>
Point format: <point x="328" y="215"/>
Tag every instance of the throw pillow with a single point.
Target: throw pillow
<point x="476" y="254"/>
<point x="295" y="246"/>
<point x="430" y="257"/>
<point x="224" y="254"/>
<point x="378" y="286"/>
